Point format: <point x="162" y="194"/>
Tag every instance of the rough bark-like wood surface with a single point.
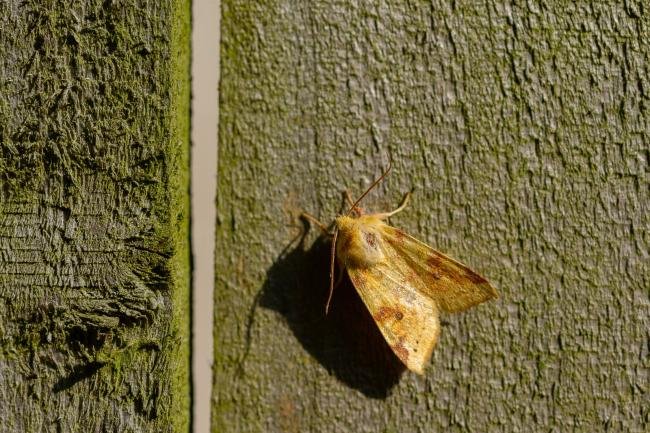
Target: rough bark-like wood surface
<point x="524" y="130"/>
<point x="94" y="131"/>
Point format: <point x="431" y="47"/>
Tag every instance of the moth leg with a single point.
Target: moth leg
<point x="316" y="221"/>
<point x="332" y="260"/>
<point x="401" y="207"/>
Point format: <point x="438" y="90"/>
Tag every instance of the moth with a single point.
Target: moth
<point x="404" y="283"/>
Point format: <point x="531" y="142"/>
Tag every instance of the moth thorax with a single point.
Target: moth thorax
<point x="359" y="244"/>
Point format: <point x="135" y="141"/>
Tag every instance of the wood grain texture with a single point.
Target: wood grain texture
<point x="94" y="262"/>
<point x="524" y="130"/>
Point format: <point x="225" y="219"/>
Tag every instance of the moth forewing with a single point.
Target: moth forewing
<point x="407" y="319"/>
<point x="404" y="283"/>
<point x="453" y="286"/>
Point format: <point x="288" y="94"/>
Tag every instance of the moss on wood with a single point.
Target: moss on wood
<point x="94" y="260"/>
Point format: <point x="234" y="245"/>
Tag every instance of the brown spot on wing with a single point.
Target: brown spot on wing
<point x="474" y="277"/>
<point x="435" y="261"/>
<point x="356" y="280"/>
<point x="401" y="351"/>
<point x="438" y="264"/>
<point x="435" y="274"/>
<point x="411" y="278"/>
<point x="457" y="274"/>
<point x="371" y="239"/>
<point x="388" y="312"/>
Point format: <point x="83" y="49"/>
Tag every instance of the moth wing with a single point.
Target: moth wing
<point x="407" y="319"/>
<point x="453" y="286"/>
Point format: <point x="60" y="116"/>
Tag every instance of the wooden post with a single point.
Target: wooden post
<point x="94" y="258"/>
<point x="523" y="129"/>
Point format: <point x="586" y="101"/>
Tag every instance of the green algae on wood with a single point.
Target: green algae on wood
<point x="94" y="260"/>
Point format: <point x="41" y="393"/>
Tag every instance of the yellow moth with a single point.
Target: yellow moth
<point x="404" y="283"/>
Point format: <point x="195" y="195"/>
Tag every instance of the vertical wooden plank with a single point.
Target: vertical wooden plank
<point x="523" y="128"/>
<point x="94" y="260"/>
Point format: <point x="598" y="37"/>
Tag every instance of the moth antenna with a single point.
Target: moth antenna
<point x="332" y="257"/>
<point x="357" y="209"/>
<point x="374" y="184"/>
